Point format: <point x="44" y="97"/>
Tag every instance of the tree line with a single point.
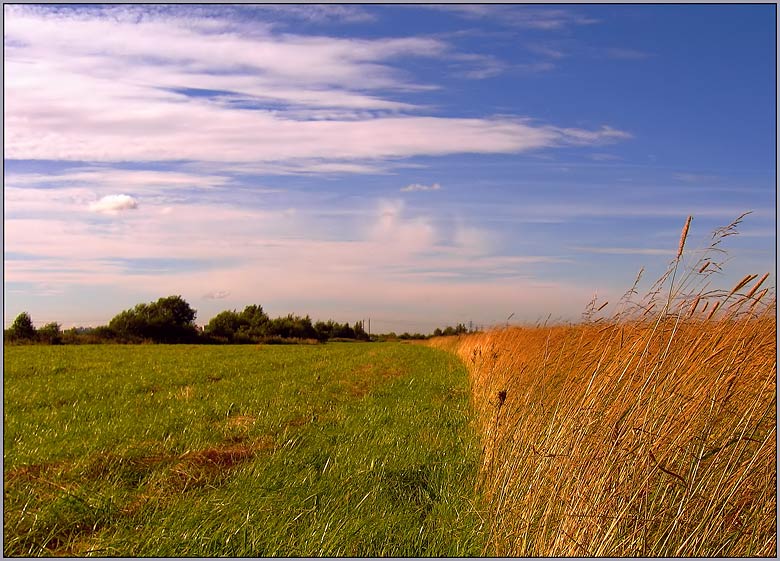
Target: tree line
<point x="172" y="320"/>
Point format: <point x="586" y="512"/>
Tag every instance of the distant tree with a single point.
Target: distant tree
<point x="323" y="330"/>
<point x="437" y="332"/>
<point x="168" y="320"/>
<point x="50" y="333"/>
<point x="22" y="328"/>
<point x="344" y="331"/>
<point x="254" y="316"/>
<point x="253" y="323"/>
<point x="131" y="324"/>
<point x="172" y="320"/>
<point x="248" y="326"/>
<point x="360" y="331"/>
<point x="333" y="330"/>
<point x="101" y="334"/>
<point x="291" y="326"/>
<point x="224" y="325"/>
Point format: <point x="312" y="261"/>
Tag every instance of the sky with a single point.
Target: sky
<point x="416" y="165"/>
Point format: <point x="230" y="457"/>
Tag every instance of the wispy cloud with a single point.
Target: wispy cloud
<point x="695" y="177"/>
<point x="479" y="67"/>
<point x="219" y="90"/>
<point x="520" y="16"/>
<point x="625" y="250"/>
<point x="586" y="137"/>
<point x="547" y="51"/>
<point x="216" y="295"/>
<point x="542" y="66"/>
<point x="112" y="179"/>
<point x="388" y="246"/>
<point x="419" y="187"/>
<point x="320" y="13"/>
<point x="623" y="53"/>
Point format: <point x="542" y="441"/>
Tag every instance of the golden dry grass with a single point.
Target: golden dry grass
<point x="644" y="434"/>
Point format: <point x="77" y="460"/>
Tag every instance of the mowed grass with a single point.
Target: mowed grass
<point x="322" y="450"/>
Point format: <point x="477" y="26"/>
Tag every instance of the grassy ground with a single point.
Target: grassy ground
<point x="326" y="450"/>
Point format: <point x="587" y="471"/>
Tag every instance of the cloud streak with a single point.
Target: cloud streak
<point x="82" y="85"/>
<point x="216" y="295"/>
<point x="412" y="187"/>
<point x="528" y="17"/>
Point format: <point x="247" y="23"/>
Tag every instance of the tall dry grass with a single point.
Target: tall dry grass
<point x="648" y="433"/>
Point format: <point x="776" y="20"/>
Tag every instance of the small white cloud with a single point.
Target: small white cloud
<point x="419" y="187"/>
<point x="112" y="204"/>
<point x="217" y="295"/>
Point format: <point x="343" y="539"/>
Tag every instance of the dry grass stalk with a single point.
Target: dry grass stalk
<point x="644" y="436"/>
<point x="746" y="279"/>
<point x="683" y="236"/>
<point x="756" y="286"/>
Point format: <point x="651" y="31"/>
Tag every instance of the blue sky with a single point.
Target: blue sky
<point x="419" y="165"/>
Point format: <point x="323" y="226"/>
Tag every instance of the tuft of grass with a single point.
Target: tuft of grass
<point x="170" y="451"/>
<point x="648" y="433"/>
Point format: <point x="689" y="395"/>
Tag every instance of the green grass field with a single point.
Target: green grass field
<point x="323" y="450"/>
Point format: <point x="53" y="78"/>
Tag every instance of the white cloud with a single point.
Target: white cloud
<point x="88" y="85"/>
<point x="112" y="204"/>
<point x="420" y="187"/>
<point x="400" y="235"/>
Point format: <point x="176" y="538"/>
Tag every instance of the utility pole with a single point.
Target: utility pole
<point x="369" y="327"/>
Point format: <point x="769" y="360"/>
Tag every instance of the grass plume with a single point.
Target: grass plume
<point x="648" y="433"/>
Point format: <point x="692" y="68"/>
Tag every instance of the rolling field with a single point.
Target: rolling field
<point x="336" y="450"/>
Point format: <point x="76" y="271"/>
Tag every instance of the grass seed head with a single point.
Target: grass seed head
<point x="684" y="235"/>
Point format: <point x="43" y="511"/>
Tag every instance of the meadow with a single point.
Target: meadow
<point x="154" y="450"/>
<point x="648" y="431"/>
